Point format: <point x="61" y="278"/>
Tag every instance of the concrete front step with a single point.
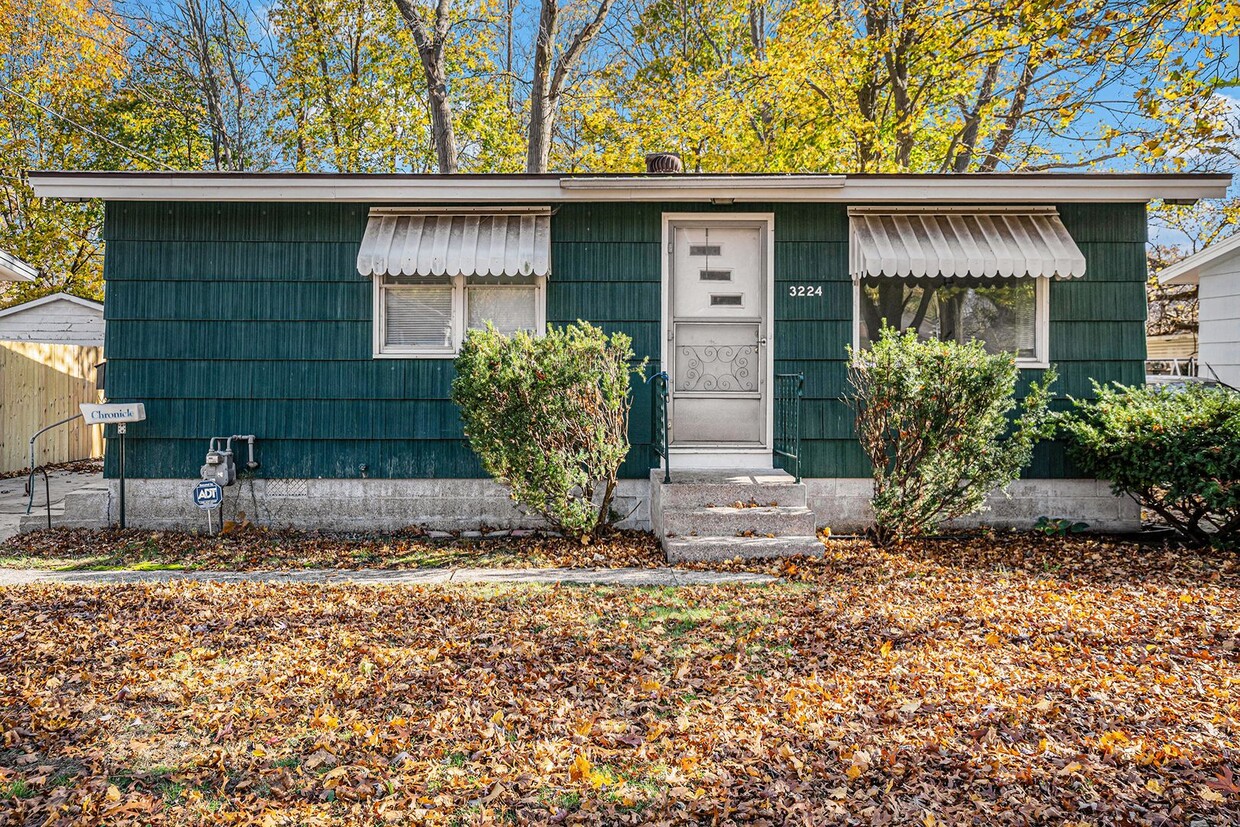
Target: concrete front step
<point x="719" y="548"/>
<point x="724" y="520"/>
<point x="699" y="489"/>
<point x="86" y="507"/>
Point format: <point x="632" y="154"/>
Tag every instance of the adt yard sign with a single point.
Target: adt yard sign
<point x="113" y="413"/>
<point x="208" y="494"/>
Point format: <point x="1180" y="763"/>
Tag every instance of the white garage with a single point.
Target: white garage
<point x="59" y="319"/>
<point x="1216" y="272"/>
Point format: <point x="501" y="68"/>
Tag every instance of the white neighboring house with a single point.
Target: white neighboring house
<point x="13" y="268"/>
<point x="1216" y="272"/>
<point x="59" y="319"/>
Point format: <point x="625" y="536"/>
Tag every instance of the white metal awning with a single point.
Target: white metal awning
<point x="929" y="242"/>
<point x="456" y="243"/>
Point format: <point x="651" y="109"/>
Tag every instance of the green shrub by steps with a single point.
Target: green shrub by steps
<point x="548" y="416"/>
<point x="933" y="417"/>
<point x="1175" y="450"/>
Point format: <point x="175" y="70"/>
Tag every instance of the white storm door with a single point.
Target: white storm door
<point x="717" y="334"/>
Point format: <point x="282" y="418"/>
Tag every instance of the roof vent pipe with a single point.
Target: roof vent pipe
<point x="664" y="163"/>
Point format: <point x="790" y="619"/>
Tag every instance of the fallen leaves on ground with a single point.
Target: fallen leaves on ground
<point x="259" y="549"/>
<point x="76" y="466"/>
<point x="944" y="683"/>
<point x="266" y="550"/>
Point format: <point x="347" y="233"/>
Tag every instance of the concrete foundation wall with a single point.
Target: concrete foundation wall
<point x="469" y="504"/>
<point x="844" y="505"/>
<point x="335" y="504"/>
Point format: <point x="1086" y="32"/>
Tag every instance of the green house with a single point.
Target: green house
<point x="320" y="314"/>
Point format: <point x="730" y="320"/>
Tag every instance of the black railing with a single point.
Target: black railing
<point x="658" y="421"/>
<point x="789" y="389"/>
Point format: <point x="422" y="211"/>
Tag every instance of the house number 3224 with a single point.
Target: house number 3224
<point x="805" y="290"/>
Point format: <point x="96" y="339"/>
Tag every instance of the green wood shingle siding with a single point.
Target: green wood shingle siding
<point x="240" y="318"/>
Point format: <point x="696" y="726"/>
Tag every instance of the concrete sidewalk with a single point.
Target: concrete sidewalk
<point x="395" y="577"/>
<point x="13" y="497"/>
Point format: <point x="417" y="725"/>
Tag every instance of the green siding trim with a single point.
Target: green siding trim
<point x="1093" y="341"/>
<point x="1124" y="223"/>
<point x="248" y="301"/>
<point x="263" y="222"/>
<point x="230" y="318"/>
<point x="1085" y="300"/>
<point x="332" y="459"/>
<point x="294" y="378"/>
<point x="605" y="262"/>
<point x="232" y="261"/>
<point x="314" y="339"/>
<point x="606" y="301"/>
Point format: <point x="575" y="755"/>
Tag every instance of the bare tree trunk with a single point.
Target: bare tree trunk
<point x="867" y="91"/>
<point x="199" y="31"/>
<point x="967" y="145"/>
<point x="430" y="47"/>
<point x="897" y="60"/>
<point x="538" y="147"/>
<point x="550" y="77"/>
<point x="509" y="10"/>
<point x="1012" y="119"/>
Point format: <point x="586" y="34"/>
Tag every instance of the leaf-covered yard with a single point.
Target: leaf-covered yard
<point x="976" y="682"/>
<point x="256" y="549"/>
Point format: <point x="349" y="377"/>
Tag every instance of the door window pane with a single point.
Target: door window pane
<point x="1001" y="313"/>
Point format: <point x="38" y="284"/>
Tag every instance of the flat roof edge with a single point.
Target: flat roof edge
<point x="465" y="189"/>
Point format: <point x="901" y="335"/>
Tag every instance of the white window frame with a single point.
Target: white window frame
<point x="459" y="286"/>
<point x="1041" y="320"/>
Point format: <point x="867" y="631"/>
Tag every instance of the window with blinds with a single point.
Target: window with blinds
<point x="418" y="317"/>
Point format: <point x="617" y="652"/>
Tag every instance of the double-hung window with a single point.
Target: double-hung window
<point x="439" y="274"/>
<point x="961" y="274"/>
<point x="430" y="317"/>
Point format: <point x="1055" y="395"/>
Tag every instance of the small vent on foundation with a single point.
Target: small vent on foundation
<point x="715" y="275"/>
<point x="726" y="300"/>
<point x="705" y="249"/>
<point x="288" y="488"/>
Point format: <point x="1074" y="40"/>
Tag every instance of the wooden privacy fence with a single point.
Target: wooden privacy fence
<point x="42" y="383"/>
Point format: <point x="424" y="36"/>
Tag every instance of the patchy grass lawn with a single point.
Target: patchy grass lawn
<point x="959" y="682"/>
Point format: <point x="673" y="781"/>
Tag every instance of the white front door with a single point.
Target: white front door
<point x="717" y="333"/>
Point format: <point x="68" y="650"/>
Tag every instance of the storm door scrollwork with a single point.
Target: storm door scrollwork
<point x="717" y="367"/>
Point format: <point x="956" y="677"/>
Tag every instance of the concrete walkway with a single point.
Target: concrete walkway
<point x="395" y="577"/>
<point x="13" y="497"/>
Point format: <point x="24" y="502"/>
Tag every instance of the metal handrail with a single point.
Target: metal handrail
<point x="659" y="423"/>
<point x="47" y="491"/>
<point x="789" y="391"/>
<point x="37" y="434"/>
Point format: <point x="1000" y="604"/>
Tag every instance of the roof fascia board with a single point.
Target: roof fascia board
<point x="1187" y="270"/>
<point x="909" y="190"/>
<point x="1048" y="190"/>
<point x="972" y="209"/>
<point x="13" y="268"/>
<point x="274" y="188"/>
<point x="433" y="210"/>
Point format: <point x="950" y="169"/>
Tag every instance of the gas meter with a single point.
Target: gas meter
<point x="220" y="468"/>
